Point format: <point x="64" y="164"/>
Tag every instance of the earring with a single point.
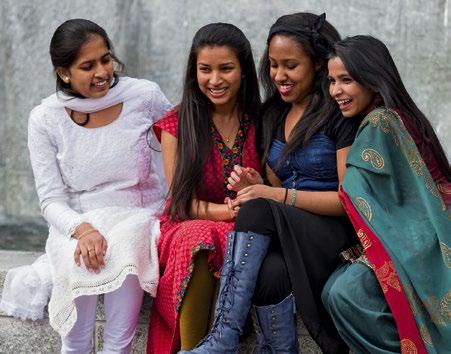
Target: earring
<point x="66" y="79"/>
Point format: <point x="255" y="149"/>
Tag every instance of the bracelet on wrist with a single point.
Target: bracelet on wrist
<point x="286" y="195"/>
<point x="293" y="197"/>
<point x="85" y="233"/>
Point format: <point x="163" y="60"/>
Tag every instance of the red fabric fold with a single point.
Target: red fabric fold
<point x="411" y="341"/>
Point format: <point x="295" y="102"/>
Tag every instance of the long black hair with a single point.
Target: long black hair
<point x="66" y="44"/>
<point x="369" y="62"/>
<point x="195" y="112"/>
<point x="315" y="36"/>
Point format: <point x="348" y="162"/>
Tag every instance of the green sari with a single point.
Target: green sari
<point x="405" y="229"/>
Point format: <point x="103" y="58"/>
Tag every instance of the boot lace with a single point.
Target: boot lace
<point x="224" y="308"/>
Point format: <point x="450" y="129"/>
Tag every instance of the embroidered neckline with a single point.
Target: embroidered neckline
<point x="230" y="156"/>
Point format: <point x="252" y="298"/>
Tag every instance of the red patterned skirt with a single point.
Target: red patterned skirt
<point x="178" y="244"/>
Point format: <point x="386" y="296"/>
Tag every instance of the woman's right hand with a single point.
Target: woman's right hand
<point x="91" y="247"/>
<point x="233" y="210"/>
<point x="242" y="177"/>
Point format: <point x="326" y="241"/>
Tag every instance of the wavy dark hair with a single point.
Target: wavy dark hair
<point x="315" y="36"/>
<point x="195" y="112"/>
<point x="66" y="44"/>
<point x="368" y="61"/>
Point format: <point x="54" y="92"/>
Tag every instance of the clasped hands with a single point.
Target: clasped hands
<point x="91" y="246"/>
<point x="248" y="184"/>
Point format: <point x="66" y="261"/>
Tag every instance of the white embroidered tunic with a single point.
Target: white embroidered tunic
<point x="107" y="176"/>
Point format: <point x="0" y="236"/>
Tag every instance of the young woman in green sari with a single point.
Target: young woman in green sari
<point x="397" y="192"/>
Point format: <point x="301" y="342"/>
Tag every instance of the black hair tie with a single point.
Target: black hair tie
<point x="320" y="43"/>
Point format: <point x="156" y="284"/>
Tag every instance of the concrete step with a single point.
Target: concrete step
<point x="17" y="337"/>
<point x="26" y="337"/>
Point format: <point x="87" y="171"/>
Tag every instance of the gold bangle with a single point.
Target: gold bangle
<point x="87" y="232"/>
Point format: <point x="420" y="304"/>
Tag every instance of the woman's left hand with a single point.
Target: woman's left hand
<point x="258" y="191"/>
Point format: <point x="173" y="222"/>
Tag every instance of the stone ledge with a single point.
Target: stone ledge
<point x="25" y="337"/>
<point x="12" y="259"/>
<point x="17" y="337"/>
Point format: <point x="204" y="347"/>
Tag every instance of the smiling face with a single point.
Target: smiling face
<point x="291" y="69"/>
<point x="219" y="75"/>
<point x="91" y="73"/>
<point x="352" y="97"/>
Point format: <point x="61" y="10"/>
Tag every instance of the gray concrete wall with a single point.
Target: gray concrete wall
<point x="153" y="36"/>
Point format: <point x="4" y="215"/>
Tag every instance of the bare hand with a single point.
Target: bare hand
<point x="233" y="210"/>
<point x="92" y="248"/>
<point x="257" y="191"/>
<point x="242" y="177"/>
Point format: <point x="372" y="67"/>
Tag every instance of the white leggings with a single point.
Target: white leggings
<point x="122" y="308"/>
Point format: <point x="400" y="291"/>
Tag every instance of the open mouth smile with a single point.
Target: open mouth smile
<point x="344" y="103"/>
<point x="285" y="89"/>
<point x="101" y="84"/>
<point x="217" y="92"/>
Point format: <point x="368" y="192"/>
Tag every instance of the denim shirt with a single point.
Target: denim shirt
<point x="312" y="168"/>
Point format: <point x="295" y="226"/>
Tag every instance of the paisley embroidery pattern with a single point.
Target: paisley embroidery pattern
<point x="364" y="207"/>
<point x="376" y="159"/>
<point x="383" y="119"/>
